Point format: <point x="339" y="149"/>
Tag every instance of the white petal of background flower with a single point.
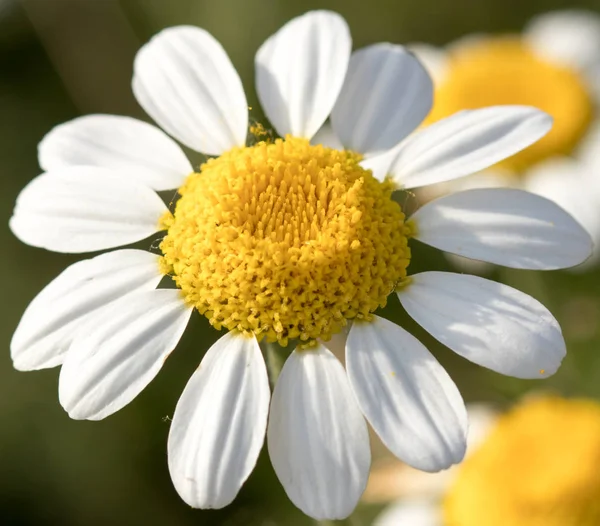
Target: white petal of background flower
<point x="571" y="185"/>
<point x="467" y="142"/>
<point x="146" y="153"/>
<point x="482" y="419"/>
<point x="386" y="95"/>
<point x="488" y="323"/>
<point x="571" y="37"/>
<point x="406" y="395"/>
<point x="588" y="151"/>
<point x="52" y="319"/>
<point x="505" y="226"/>
<point x="185" y="81"/>
<point x="120" y="351"/>
<point x="317" y="437"/>
<point x="85" y="208"/>
<point x="300" y="71"/>
<point x="414" y="512"/>
<point x="219" y="424"/>
<point x="467" y="43"/>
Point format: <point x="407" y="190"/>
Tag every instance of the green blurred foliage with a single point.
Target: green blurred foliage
<point x="62" y="58"/>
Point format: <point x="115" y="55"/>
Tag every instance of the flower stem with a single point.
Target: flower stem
<point x="274" y="360"/>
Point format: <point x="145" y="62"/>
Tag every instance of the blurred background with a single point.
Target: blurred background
<point x="63" y="58"/>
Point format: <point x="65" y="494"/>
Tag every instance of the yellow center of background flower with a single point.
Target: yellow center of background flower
<point x="504" y="70"/>
<point x="285" y="240"/>
<point x="538" y="467"/>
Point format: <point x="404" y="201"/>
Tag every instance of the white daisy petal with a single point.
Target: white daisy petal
<point x="571" y="37"/>
<point x="185" y="81"/>
<point x="467" y="142"/>
<point x="327" y="137"/>
<point x="119" y="353"/>
<point x="300" y="71"/>
<point x="219" y="424"/>
<point x="505" y="226"/>
<point x="52" y="319"/>
<point x="380" y="164"/>
<point x="146" y="153"/>
<point x="386" y="95"/>
<point x="416" y="512"/>
<point x="317" y="438"/>
<point x="85" y="208"/>
<point x="406" y="395"/>
<point x="488" y="323"/>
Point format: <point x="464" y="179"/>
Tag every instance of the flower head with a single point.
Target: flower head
<point x="284" y="240"/>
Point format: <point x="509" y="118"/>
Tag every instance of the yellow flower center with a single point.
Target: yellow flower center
<point x="285" y="240"/>
<point x="539" y="467"/>
<point x="504" y="70"/>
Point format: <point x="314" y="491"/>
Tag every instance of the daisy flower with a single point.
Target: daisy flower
<point x="513" y="475"/>
<point x="284" y="241"/>
<point x="554" y="65"/>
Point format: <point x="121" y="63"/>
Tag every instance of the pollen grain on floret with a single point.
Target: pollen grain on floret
<point x="286" y="240"/>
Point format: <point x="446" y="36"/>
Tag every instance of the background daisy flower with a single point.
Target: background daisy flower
<point x="554" y="64"/>
<point x="283" y="240"/>
<point x="519" y="471"/>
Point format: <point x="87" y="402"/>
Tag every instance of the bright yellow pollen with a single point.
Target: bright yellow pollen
<point x="504" y="70"/>
<point x="539" y="467"/>
<point x="286" y="240"/>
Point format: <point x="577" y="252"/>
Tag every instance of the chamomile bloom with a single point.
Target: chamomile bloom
<point x="522" y="472"/>
<point x="553" y="65"/>
<point x="286" y="241"/>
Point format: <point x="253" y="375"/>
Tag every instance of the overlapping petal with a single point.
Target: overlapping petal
<point x="465" y="143"/>
<point x="146" y="153"/>
<point x="505" y="226"/>
<point x="185" y="81"/>
<point x="300" y="71"/>
<point x="52" y="319"/>
<point x="317" y="438"/>
<point x="406" y="395"/>
<point x="386" y="95"/>
<point x="83" y="209"/>
<point x="120" y="351"/>
<point x="219" y="424"/>
<point x="327" y="137"/>
<point x="488" y="323"/>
